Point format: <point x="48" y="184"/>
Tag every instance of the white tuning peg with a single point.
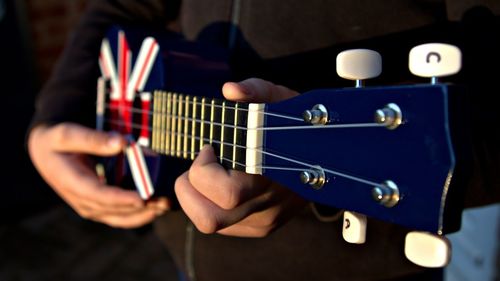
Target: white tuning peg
<point x="435" y="60"/>
<point x="354" y="228"/>
<point x="427" y="249"/>
<point x="358" y="65"/>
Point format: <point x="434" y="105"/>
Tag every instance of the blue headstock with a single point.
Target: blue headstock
<point x="361" y="157"/>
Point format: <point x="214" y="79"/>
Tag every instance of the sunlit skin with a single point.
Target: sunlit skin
<point x="216" y="200"/>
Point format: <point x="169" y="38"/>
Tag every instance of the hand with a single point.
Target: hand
<point x="60" y="154"/>
<point x="232" y="202"/>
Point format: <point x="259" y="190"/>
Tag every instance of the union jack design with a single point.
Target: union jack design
<point x="125" y="83"/>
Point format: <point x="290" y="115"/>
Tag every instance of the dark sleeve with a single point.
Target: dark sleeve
<point x="481" y="60"/>
<point x="69" y="95"/>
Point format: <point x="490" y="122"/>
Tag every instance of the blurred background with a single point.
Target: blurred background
<point x="42" y="239"/>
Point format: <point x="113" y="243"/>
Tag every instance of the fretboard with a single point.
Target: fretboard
<point x="183" y="124"/>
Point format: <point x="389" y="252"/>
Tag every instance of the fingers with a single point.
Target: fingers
<point x="256" y="90"/>
<point x="204" y="213"/>
<point x="67" y="137"/>
<point x="227" y="189"/>
<point x="56" y="153"/>
<point x="231" y="202"/>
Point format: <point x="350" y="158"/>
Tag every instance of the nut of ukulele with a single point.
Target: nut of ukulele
<point x="427" y="249"/>
<point x="358" y="65"/>
<point x="435" y="60"/>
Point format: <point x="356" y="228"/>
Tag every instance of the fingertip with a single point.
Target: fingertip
<point x="236" y="91"/>
<point x="206" y="155"/>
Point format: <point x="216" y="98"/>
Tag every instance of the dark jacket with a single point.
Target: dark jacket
<point x="294" y="43"/>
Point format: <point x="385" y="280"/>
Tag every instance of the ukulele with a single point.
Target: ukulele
<point x="381" y="152"/>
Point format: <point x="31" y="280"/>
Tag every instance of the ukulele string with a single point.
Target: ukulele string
<point x="287" y="159"/>
<point x="183" y="103"/>
<point x="301" y="127"/>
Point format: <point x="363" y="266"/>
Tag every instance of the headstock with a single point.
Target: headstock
<point x="382" y="152"/>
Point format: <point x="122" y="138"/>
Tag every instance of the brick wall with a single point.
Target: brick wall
<point x="50" y="22"/>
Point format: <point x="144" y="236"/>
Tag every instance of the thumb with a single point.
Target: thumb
<point x="69" y="137"/>
<point x="256" y="90"/>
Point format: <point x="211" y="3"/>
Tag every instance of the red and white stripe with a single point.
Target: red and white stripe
<point x="145" y="132"/>
<point x="142" y="68"/>
<point x="140" y="172"/>
<point x="124" y="87"/>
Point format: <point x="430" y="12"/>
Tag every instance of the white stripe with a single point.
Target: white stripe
<point x="143" y="65"/>
<point x="254" y="138"/>
<point x="136" y="165"/>
<point x="107" y="63"/>
<point x="143" y="141"/>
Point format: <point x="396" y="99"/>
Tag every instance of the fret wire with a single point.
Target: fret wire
<point x="212" y="115"/>
<point x="235" y="134"/>
<point x="223" y="117"/>
<point x="202" y="125"/>
<point x="162" y="122"/>
<point x="193" y="127"/>
<point x="168" y="108"/>
<point x="180" y="110"/>
<point x="154" y="124"/>
<point x="186" y="114"/>
<point x="173" y="128"/>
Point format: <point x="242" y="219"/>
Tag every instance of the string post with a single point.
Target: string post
<point x="318" y="115"/>
<point x="386" y="194"/>
<point x="314" y="177"/>
<point x="390" y="116"/>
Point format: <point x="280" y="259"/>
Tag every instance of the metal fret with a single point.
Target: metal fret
<point x="186" y="127"/>
<point x="162" y="121"/>
<point x="235" y="134"/>
<point x="173" y="128"/>
<point x="212" y="116"/>
<point x="222" y="132"/>
<point x="180" y="108"/>
<point x="154" y="132"/>
<point x="167" y="97"/>
<point x="193" y="127"/>
<point x="202" y="124"/>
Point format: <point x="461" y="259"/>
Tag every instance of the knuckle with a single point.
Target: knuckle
<point x="61" y="133"/>
<point x="231" y="195"/>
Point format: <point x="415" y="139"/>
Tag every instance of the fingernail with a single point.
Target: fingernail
<point x="115" y="141"/>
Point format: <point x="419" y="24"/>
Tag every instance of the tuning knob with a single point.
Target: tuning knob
<point x="427" y="250"/>
<point x="358" y="65"/>
<point x="435" y="60"/>
<point x="354" y="228"/>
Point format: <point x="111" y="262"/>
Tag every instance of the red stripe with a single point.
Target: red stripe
<point x="144" y="66"/>
<point x="145" y="119"/>
<point x="124" y="104"/>
<point x="141" y="170"/>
